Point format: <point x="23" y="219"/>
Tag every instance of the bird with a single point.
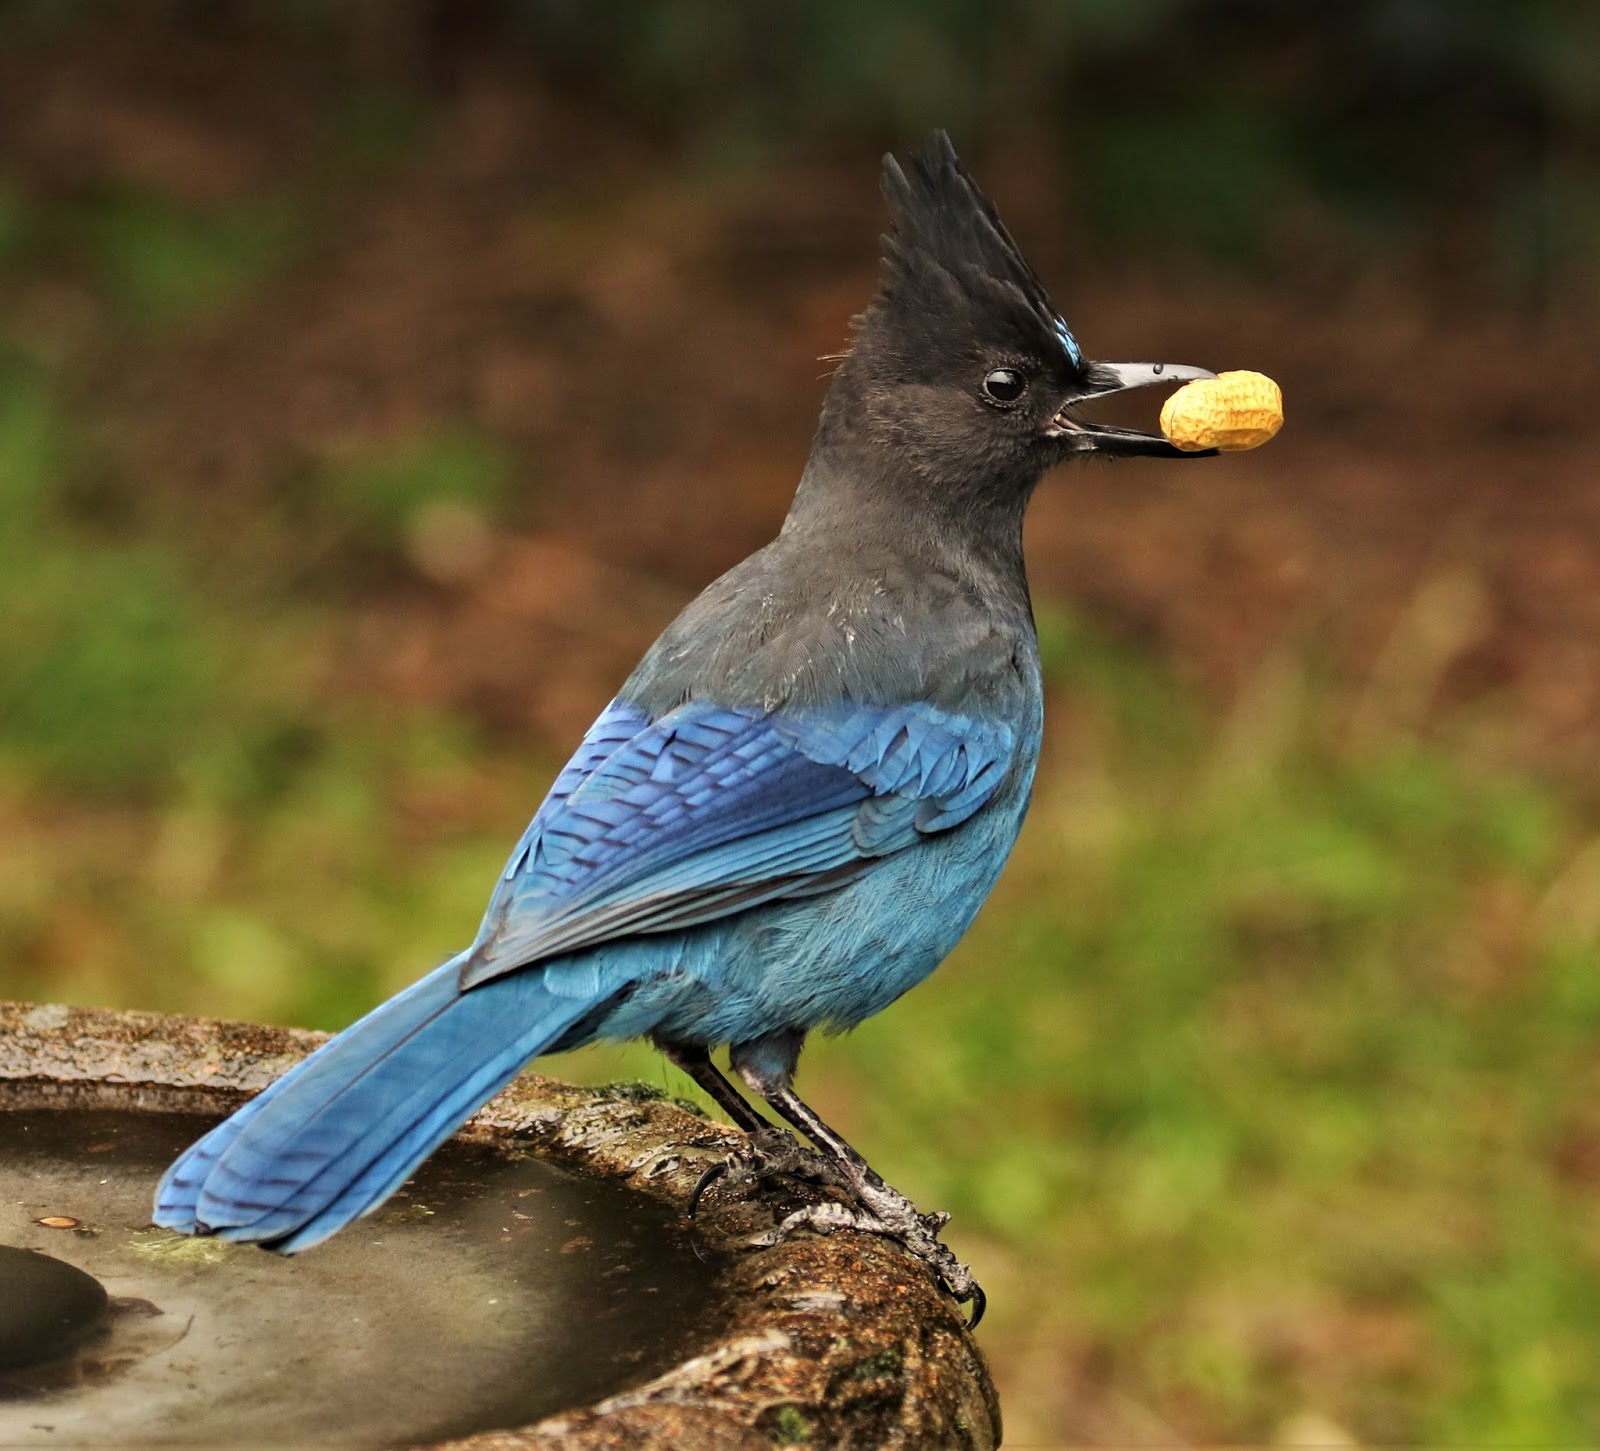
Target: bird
<point x="797" y="802"/>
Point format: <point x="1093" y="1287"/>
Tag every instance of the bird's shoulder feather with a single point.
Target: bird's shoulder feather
<point x="663" y="824"/>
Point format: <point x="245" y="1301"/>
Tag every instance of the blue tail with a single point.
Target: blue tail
<point x="339" y="1133"/>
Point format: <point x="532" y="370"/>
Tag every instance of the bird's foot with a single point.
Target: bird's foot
<point x="771" y="1152"/>
<point x="877" y="1208"/>
<point x="882" y="1210"/>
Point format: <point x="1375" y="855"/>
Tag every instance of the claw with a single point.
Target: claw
<point x="918" y="1234"/>
<point x="876" y="1208"/>
<point x="768" y="1155"/>
<point x="713" y="1172"/>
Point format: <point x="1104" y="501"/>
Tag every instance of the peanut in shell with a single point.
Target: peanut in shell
<point x="1231" y="412"/>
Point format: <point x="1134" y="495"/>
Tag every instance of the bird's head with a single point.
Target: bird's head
<point x="962" y="364"/>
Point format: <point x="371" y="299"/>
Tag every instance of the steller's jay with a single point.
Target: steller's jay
<point x="798" y="801"/>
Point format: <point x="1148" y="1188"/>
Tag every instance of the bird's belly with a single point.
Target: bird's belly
<point x="830" y="960"/>
<point x="880" y="938"/>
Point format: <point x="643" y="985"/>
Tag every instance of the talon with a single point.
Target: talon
<point x="771" y="1154"/>
<point x="876" y="1208"/>
<point x="713" y="1173"/>
<point x="953" y="1276"/>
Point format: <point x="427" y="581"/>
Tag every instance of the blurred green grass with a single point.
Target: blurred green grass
<point x="1266" y="1086"/>
<point x="164" y="263"/>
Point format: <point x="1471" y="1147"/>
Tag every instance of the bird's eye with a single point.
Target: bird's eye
<point x="1005" y="385"/>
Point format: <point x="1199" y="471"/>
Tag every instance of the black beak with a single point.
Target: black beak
<point x="1082" y="436"/>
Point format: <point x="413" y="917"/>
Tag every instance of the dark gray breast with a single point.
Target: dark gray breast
<point x="805" y="621"/>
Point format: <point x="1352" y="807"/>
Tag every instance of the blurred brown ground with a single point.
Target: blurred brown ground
<point x="646" y="339"/>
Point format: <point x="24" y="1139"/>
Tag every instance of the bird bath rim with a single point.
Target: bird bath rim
<point x="844" y="1337"/>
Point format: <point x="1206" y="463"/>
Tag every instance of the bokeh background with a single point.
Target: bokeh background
<point x="378" y="376"/>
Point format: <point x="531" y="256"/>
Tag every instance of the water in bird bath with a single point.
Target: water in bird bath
<point x="494" y="1291"/>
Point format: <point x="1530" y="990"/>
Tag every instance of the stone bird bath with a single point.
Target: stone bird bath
<point x="534" y="1286"/>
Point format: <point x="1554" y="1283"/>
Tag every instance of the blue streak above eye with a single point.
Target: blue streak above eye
<point x="1069" y="343"/>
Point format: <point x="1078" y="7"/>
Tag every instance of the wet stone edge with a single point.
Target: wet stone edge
<point x="842" y="1341"/>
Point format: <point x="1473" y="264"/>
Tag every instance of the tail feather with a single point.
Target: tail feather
<point x="233" y="1173"/>
<point x="338" y="1134"/>
<point x="387" y="1170"/>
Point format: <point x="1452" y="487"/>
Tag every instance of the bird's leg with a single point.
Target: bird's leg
<point x="772" y="1150"/>
<point x="696" y="1062"/>
<point x="879" y="1208"/>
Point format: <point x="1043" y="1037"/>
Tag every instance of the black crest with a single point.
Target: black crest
<point x="949" y="247"/>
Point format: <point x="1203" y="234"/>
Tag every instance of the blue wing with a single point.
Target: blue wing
<point x="659" y="825"/>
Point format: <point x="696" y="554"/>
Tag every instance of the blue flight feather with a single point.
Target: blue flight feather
<point x="710" y="810"/>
